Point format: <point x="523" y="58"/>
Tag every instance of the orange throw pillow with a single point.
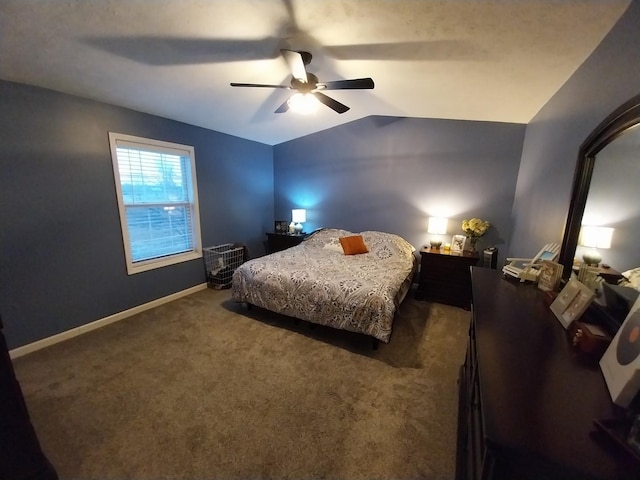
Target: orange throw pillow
<point x="353" y="245"/>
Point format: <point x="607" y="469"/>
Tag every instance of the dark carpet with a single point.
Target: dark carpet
<point x="202" y="388"/>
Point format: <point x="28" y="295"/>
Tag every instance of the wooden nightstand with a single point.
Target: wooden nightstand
<point x="445" y="277"/>
<point x="282" y="241"/>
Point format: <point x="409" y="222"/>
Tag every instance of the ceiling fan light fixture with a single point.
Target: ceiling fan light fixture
<point x="308" y="95"/>
<point x="303" y="103"/>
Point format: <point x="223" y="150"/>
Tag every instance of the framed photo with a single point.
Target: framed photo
<point x="549" y="276"/>
<point x="572" y="301"/>
<point x="457" y="243"/>
<point x="281" y="226"/>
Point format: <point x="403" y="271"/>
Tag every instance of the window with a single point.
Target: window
<point x="158" y="201"/>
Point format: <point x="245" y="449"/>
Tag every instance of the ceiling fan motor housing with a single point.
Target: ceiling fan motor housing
<point x="305" y="87"/>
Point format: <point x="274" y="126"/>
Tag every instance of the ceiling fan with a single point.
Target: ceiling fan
<point x="306" y="83"/>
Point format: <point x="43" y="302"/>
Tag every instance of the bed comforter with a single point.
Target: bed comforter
<point x="315" y="281"/>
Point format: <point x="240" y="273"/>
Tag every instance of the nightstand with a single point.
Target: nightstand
<point x="445" y="276"/>
<point x="282" y="241"/>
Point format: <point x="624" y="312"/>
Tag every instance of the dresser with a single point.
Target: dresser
<point x="527" y="399"/>
<point x="444" y="276"/>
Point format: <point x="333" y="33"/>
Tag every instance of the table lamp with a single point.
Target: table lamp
<point x="298" y="217"/>
<point x="437" y="226"/>
<point x="594" y="238"/>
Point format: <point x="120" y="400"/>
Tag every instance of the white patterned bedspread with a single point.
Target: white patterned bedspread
<point x="316" y="282"/>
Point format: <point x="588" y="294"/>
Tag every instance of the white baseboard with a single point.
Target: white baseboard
<point x="74" y="332"/>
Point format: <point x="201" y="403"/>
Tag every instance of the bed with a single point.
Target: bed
<point x="317" y="282"/>
<point x="631" y="278"/>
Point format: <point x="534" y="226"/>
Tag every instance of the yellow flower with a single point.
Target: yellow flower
<point x="475" y="227"/>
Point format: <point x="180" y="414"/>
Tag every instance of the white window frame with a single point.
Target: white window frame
<point x="119" y="139"/>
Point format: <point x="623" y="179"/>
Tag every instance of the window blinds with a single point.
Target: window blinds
<point x="157" y="197"/>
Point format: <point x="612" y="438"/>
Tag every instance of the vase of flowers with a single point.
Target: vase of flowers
<point x="474" y="229"/>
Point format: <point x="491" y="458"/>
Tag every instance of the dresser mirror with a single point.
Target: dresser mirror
<point x="606" y="190"/>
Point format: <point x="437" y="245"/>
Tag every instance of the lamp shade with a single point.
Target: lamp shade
<point x="298" y="215"/>
<point x="595" y="237"/>
<point x="437" y="225"/>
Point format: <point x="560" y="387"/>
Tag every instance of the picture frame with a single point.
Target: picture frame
<point x="457" y="243"/>
<point x="281" y="226"/>
<point x="549" y="276"/>
<point x="590" y="277"/>
<point x="571" y="302"/>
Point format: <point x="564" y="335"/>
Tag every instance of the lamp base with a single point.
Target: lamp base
<point x="592" y="258"/>
<point x="435" y="244"/>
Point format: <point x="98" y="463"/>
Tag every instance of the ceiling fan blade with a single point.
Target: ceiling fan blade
<point x="261" y="85"/>
<point x="296" y="64"/>
<point x="355" y="84"/>
<point x="283" y="108"/>
<point x="423" y="50"/>
<point x="331" y="103"/>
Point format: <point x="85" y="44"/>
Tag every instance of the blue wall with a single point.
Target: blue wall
<point x="608" y="78"/>
<point x="391" y="174"/>
<point x="62" y="261"/>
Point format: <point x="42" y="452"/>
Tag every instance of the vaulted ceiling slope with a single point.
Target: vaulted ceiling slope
<point x="477" y="60"/>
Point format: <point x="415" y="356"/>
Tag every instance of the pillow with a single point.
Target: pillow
<point x="353" y="245"/>
<point x="334" y="244"/>
<point x="320" y="237"/>
<point x="386" y="245"/>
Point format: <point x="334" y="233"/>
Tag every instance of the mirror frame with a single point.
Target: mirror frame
<point x="623" y="118"/>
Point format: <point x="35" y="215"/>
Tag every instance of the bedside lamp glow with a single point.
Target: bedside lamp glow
<point x="594" y="237"/>
<point x="298" y="217"/>
<point x="437" y="226"/>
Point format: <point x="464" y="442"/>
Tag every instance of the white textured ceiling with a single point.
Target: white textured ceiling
<point x="477" y="60"/>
